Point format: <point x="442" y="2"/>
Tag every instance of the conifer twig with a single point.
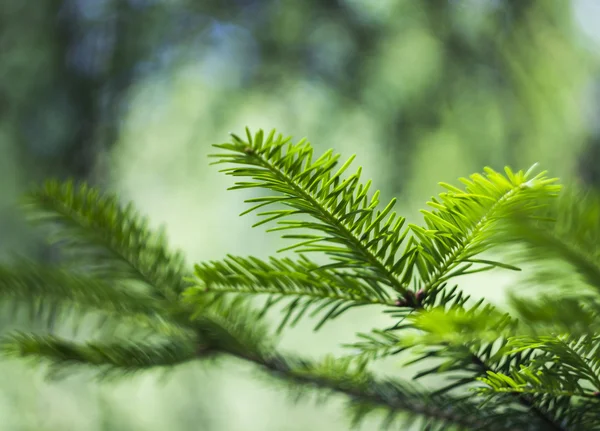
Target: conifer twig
<point x="388" y="394"/>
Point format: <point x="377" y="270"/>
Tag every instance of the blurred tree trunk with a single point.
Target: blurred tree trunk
<point x="66" y="76"/>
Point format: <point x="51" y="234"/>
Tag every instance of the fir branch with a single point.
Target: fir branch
<point x="559" y="312"/>
<point x="522" y="383"/>
<point x="364" y="246"/>
<point x="569" y="233"/>
<point x="376" y="345"/>
<point x="30" y="282"/>
<point x="231" y="326"/>
<point x="467" y="344"/>
<point x="510" y="361"/>
<point x="463" y="223"/>
<point x="380" y="343"/>
<point x="115" y="359"/>
<point x="112" y="241"/>
<point x="53" y="294"/>
<point x="356" y="235"/>
<point x="575" y="360"/>
<point x="366" y="393"/>
<point x="123" y="358"/>
<point x="459" y="228"/>
<point x="303" y="283"/>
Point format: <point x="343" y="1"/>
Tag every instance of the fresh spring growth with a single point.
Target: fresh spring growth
<point x="531" y="366"/>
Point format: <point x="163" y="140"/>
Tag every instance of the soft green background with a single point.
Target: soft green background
<point x="421" y="90"/>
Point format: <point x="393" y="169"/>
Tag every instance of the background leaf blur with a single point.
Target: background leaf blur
<point x="130" y="94"/>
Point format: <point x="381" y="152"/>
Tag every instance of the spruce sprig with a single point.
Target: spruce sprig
<point x="303" y="284"/>
<point x="95" y="232"/>
<point x="373" y="259"/>
<point x="462" y="223"/>
<point x="346" y="224"/>
<point x="24" y="280"/>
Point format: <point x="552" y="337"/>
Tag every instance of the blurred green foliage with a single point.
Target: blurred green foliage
<point x="130" y="94"/>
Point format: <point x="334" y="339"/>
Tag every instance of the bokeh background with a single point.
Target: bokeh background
<point x="130" y="94"/>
